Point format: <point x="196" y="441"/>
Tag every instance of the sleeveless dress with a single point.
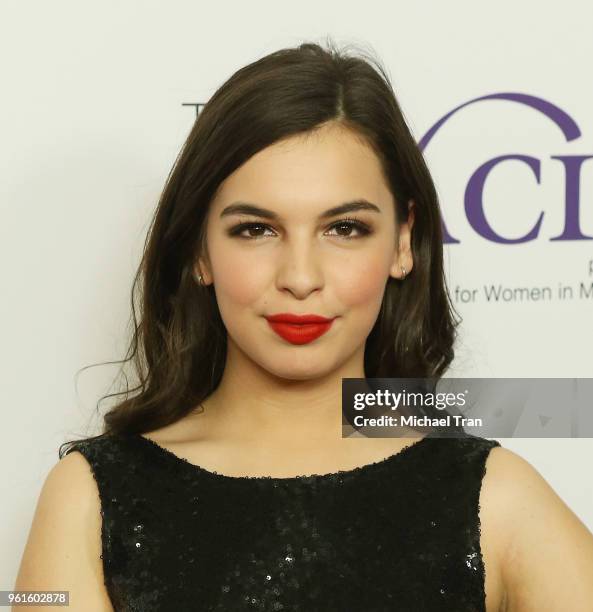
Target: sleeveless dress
<point x="400" y="534"/>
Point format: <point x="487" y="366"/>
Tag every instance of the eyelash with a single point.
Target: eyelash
<point x="349" y="221"/>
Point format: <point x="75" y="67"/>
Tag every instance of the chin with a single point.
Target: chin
<point x="297" y="371"/>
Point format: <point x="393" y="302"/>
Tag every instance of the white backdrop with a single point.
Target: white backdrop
<point x="93" y="116"/>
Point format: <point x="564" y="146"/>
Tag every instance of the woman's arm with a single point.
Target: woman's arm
<point x="547" y="563"/>
<point x="64" y="544"/>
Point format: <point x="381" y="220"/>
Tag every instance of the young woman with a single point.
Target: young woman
<point x="297" y="242"/>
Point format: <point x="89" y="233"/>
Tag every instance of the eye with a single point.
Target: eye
<point x="350" y="224"/>
<point x="343" y="224"/>
<point x="239" y="229"/>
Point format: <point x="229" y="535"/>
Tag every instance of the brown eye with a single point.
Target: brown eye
<point x="343" y="226"/>
<point x="348" y="225"/>
<point x="239" y="229"/>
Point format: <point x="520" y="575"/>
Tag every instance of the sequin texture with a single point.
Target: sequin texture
<point x="398" y="534"/>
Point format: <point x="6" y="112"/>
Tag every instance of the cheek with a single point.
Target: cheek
<point x="362" y="281"/>
<point x="239" y="282"/>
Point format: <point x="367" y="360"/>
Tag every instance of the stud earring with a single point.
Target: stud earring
<point x="403" y="272"/>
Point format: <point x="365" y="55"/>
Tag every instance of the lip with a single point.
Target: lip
<point x="299" y="329"/>
<point x="288" y="317"/>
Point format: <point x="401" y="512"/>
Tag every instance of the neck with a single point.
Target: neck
<point x="251" y="403"/>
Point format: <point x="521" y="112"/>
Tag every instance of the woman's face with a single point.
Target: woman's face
<point x="296" y="260"/>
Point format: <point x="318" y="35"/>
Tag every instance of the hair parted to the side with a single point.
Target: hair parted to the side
<point x="178" y="344"/>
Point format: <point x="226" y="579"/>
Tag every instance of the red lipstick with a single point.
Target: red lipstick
<point x="299" y="329"/>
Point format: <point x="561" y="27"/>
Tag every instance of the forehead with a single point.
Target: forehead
<point x="308" y="173"/>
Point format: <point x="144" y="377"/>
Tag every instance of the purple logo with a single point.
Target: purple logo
<point x="473" y="202"/>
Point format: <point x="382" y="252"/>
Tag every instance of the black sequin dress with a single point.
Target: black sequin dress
<point x="401" y="534"/>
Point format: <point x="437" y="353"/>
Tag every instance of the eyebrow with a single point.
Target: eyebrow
<point x="251" y="209"/>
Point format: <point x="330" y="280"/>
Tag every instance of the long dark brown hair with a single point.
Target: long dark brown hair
<point x="178" y="345"/>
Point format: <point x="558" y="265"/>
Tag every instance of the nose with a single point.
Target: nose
<point x="299" y="269"/>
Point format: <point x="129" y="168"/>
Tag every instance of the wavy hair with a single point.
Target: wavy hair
<point x="178" y="344"/>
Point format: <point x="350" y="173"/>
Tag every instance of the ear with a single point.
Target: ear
<point x="403" y="254"/>
<point x="202" y="266"/>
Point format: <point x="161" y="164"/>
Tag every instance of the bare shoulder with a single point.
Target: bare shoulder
<point x="63" y="549"/>
<point x="541" y="550"/>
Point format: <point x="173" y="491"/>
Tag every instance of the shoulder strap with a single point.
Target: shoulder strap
<point x="113" y="469"/>
<point x="105" y="456"/>
<point x="453" y="488"/>
<point x="475" y="451"/>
